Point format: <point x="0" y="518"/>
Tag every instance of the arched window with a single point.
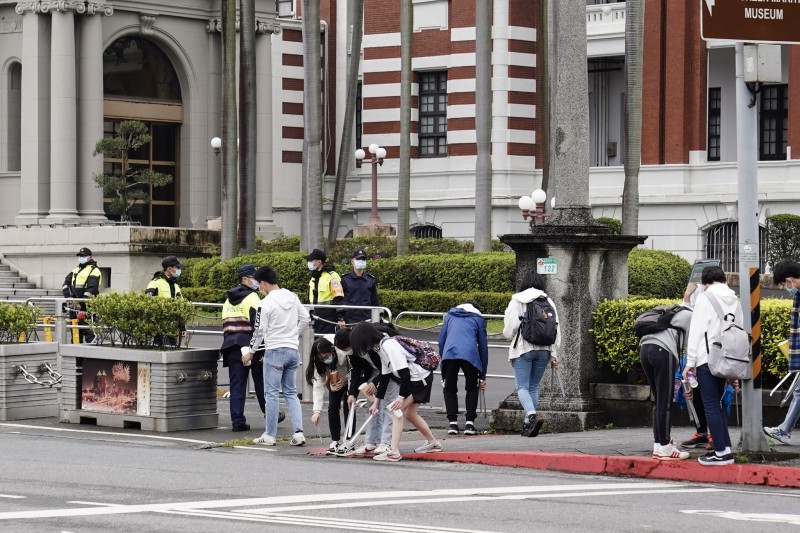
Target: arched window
<point x="722" y="242"/>
<point x="14" y="118"/>
<point x="137" y="68"/>
<point x="426" y="231"/>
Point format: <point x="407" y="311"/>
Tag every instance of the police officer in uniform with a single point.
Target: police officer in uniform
<point x="360" y="288"/>
<point x="165" y="282"/>
<point x="324" y="288"/>
<point x="83" y="281"/>
<point x="238" y="317"/>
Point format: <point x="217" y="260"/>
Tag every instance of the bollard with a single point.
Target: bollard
<point x="48" y="331"/>
<point x="375" y="315"/>
<point x="76" y="339"/>
<point x="306" y="340"/>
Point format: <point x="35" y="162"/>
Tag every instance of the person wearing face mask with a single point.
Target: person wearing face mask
<point x="165" y="285"/>
<point x="238" y="317"/>
<point x="360" y="288"/>
<point x="787" y="273"/>
<point x="165" y="282"/>
<point x="329" y="370"/>
<point x="324" y="289"/>
<point x="84" y="281"/>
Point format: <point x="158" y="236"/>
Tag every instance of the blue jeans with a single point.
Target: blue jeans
<point x="792" y="414"/>
<point x="280" y="367"/>
<point x="379" y="429"/>
<point x="711" y="389"/>
<point x="528" y="371"/>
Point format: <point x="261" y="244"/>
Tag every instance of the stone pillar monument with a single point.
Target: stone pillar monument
<point x="591" y="263"/>
<point x="90" y="106"/>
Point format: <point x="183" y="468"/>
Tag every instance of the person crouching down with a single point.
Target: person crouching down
<point x="415" y="387"/>
<point x="329" y="370"/>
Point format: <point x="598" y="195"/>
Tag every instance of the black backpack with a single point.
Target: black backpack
<point x="538" y="325"/>
<point x="657" y="319"/>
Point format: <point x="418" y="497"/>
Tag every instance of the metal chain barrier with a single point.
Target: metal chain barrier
<point x="54" y="381"/>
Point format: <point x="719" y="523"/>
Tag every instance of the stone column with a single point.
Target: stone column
<point x="63" y="111"/>
<point x="90" y="105"/>
<point x="35" y="127"/>
<point x="591" y="264"/>
<point x="265" y="224"/>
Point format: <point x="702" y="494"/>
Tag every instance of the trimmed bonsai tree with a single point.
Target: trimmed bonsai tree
<point x="128" y="184"/>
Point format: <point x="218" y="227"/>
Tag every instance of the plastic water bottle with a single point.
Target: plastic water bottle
<point x="691" y="379"/>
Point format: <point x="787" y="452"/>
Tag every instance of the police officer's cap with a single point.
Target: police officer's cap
<point x="171" y="261"/>
<point x="246" y="271"/>
<point x="84" y="252"/>
<point x="315" y="254"/>
<point x="359" y="253"/>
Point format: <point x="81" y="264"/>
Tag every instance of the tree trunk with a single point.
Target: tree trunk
<point x="229" y="130"/>
<point x="483" y="125"/>
<point x="311" y="208"/>
<point x="247" y="127"/>
<point x="404" y="176"/>
<point x="634" y="44"/>
<point x="346" y="147"/>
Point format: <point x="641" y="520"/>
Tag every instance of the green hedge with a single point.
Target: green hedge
<point x="204" y="294"/>
<point x="783" y="238"/>
<point x="613" y="224"/>
<point x="17" y="322"/>
<point x="657" y="274"/>
<point x="618" y="348"/>
<point x="491" y="303"/>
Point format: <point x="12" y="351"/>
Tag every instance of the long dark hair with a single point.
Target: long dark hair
<point x="321" y="345"/>
<point x="364" y="337"/>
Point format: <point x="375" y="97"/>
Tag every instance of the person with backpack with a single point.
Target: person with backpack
<point x="531" y="323"/>
<point x="415" y="385"/>
<point x="660" y="350"/>
<point x="463" y="345"/>
<point x="787" y="274"/>
<point x="706" y="329"/>
<point x="329" y="370"/>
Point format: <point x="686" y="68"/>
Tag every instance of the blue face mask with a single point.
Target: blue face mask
<point x="82" y="259"/>
<point x="178" y="273"/>
<point x="328" y="360"/>
<point x="791" y="290"/>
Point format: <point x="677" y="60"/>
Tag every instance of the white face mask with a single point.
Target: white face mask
<point x="360" y="264"/>
<point x="177" y="272"/>
<point x="254" y="285"/>
<point x="311" y="266"/>
<point x="82" y="259"/>
<point x="343" y="353"/>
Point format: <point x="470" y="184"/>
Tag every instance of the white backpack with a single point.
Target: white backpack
<point x="728" y="356"/>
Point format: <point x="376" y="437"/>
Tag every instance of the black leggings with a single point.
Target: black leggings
<point x="337" y="400"/>
<point x="659" y="366"/>
<point x="450" y="370"/>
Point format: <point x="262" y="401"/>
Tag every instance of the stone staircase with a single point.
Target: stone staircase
<point x="15" y="287"/>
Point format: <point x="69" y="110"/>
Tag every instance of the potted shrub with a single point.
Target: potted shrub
<point x="139" y="375"/>
<point x="20" y="349"/>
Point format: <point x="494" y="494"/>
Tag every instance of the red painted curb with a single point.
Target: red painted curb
<point x="644" y="467"/>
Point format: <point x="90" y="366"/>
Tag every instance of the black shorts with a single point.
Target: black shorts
<point x="421" y="390"/>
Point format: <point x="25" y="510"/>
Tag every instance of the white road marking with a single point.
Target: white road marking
<point x="774" y="518"/>
<point x="11" y="497"/>
<point x="326" y="498"/>
<point x="134" y="435"/>
<point x="262" y="448"/>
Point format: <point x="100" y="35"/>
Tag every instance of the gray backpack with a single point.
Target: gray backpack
<point x="728" y="356"/>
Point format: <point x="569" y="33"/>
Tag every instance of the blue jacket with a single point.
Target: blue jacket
<point x="463" y="336"/>
<point x="359" y="290"/>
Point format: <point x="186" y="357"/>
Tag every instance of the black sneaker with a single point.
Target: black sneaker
<point x="281" y="416"/>
<point x="526" y="425"/>
<point x="531" y="426"/>
<point x="699" y="440"/>
<point x="244" y="427"/>
<point x="469" y="429"/>
<point x="453" y="429"/>
<point x="712" y="459"/>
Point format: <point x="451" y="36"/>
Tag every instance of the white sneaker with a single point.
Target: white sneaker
<point x="669" y="452"/>
<point x="778" y="434"/>
<point x="265" y="440"/>
<point x="298" y="439"/>
<point x="429" y="447"/>
<point x="365" y="449"/>
<point x="332" y="448"/>
<point x="382" y="448"/>
<point x="389" y="456"/>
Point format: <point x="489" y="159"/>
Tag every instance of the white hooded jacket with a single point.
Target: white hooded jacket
<point x="705" y="320"/>
<point x="511" y="323"/>
<point x="280" y="320"/>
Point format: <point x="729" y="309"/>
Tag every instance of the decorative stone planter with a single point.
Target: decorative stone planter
<point x="143" y="389"/>
<point x="18" y="398"/>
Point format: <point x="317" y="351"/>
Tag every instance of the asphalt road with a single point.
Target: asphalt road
<point x="53" y="480"/>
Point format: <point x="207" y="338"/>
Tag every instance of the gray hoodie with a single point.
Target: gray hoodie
<point x="280" y="320"/>
<point x="672" y="340"/>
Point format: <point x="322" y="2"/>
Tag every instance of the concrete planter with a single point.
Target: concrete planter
<point x="143" y="389"/>
<point x="18" y="398"/>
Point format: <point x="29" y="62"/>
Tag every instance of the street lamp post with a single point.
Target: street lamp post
<point x="533" y="206"/>
<point x="378" y="154"/>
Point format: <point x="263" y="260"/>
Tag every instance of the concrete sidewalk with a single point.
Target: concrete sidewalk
<point x="620" y="452"/>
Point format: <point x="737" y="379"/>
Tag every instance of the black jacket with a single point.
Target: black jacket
<point x="359" y="290"/>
